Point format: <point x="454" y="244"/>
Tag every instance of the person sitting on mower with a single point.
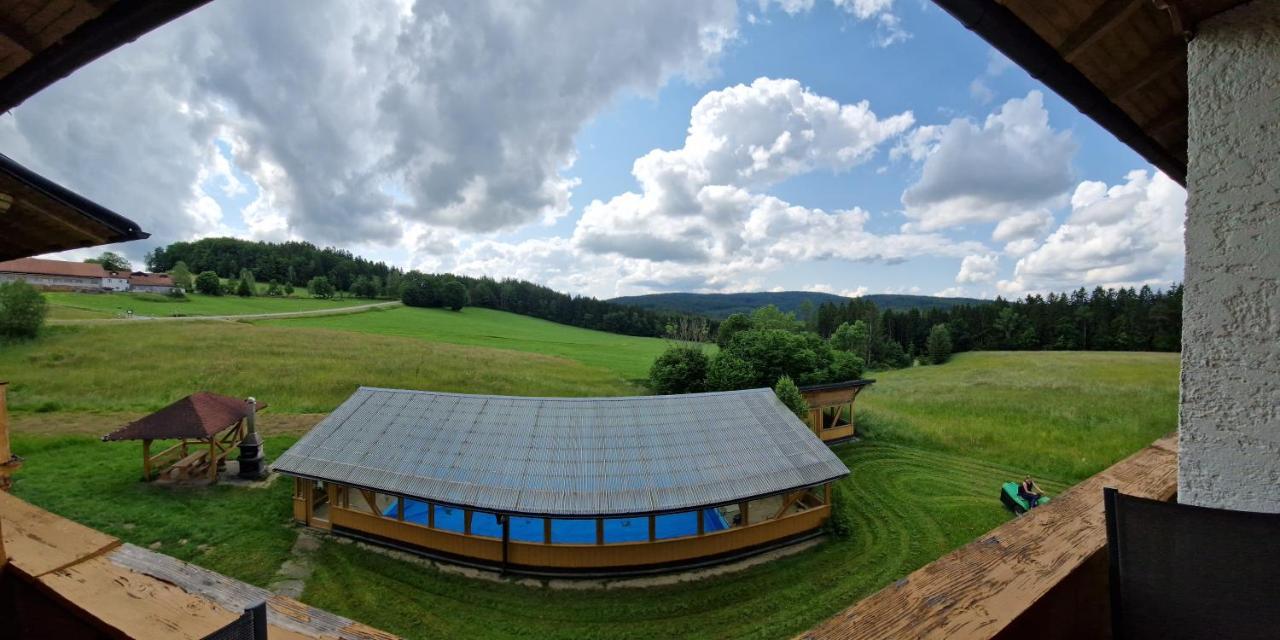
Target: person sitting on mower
<point x="1028" y="491"/>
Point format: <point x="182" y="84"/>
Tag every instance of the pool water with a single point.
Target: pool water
<point x="565" y="531"/>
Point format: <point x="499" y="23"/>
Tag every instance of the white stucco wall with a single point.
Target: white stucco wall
<point x="1229" y="432"/>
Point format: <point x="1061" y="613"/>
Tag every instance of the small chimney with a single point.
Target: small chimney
<point x="9" y="463"/>
<point x="251" y="455"/>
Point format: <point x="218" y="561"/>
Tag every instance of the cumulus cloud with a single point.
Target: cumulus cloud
<point x="354" y="117"/>
<point x="1014" y="164"/>
<point x="701" y="217"/>
<point x="978" y="268"/>
<point x="888" y="26"/>
<point x="1129" y="234"/>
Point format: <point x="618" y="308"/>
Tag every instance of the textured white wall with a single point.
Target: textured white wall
<point x="1229" y="433"/>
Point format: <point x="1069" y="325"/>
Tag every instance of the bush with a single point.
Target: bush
<point x="417" y="290"/>
<point x="731" y="326"/>
<point x="246" y="287"/>
<point x="679" y="369"/>
<point x="273" y="289"/>
<point x="320" y="287"/>
<point x="773" y="353"/>
<point x="22" y="310"/>
<point x="790" y="395"/>
<point x="208" y="283"/>
<point x="840" y="524"/>
<point x="453" y="295"/>
<point x="182" y="276"/>
<point x="175" y="294"/>
<point x="728" y="372"/>
<point x="850" y="337"/>
<point x="938" y="344"/>
<point x="844" y="366"/>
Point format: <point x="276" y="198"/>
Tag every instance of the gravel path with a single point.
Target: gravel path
<point x="340" y="311"/>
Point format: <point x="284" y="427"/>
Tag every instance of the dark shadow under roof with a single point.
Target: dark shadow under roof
<point x="565" y="456"/>
<point x="831" y="386"/>
<point x="38" y="216"/>
<point x="199" y="415"/>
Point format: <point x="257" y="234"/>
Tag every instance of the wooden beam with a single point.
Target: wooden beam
<point x="400" y="508"/>
<point x="1175" y="114"/>
<point x="599" y="530"/>
<point x="466" y="521"/>
<point x="546" y="530"/>
<point x="745" y="509"/>
<point x="213" y="461"/>
<point x="1098" y="24"/>
<point x="146" y="460"/>
<point x="431" y="515"/>
<point x="1154" y="66"/>
<point x="653" y="527"/>
<point x="702" y="525"/>
<point x="786" y="504"/>
<point x="14" y="33"/>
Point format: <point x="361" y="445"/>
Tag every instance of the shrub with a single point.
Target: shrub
<point x="273" y="288"/>
<point x="680" y="369"/>
<point x="175" y="294"/>
<point x="182" y="276"/>
<point x="840" y="523"/>
<point x="773" y="353"/>
<point x="246" y="287"/>
<point x="22" y="310"/>
<point x="938" y="344"/>
<point x="728" y="372"/>
<point x="850" y="337"/>
<point x="208" y="283"/>
<point x="844" y="366"/>
<point x="453" y="295"/>
<point x="790" y="395"/>
<point x="320" y="287"/>
<point x="417" y="290"/>
<point x="731" y="326"/>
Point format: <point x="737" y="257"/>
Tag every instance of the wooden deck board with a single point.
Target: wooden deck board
<point x="983" y="587"/>
<point x="135" y="605"/>
<point x="38" y="542"/>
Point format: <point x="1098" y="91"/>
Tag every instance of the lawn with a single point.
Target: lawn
<point x="1062" y="415"/>
<point x="629" y="356"/>
<point x="144" y="366"/>
<point x="939" y="442"/>
<point x="67" y="305"/>
<point x="907" y="508"/>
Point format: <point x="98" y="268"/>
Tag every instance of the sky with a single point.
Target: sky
<point x="611" y="148"/>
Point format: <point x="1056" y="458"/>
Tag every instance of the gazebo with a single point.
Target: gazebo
<point x="554" y="485"/>
<point x="207" y="427"/>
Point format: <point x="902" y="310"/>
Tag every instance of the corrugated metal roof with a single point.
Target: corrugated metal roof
<point x="565" y="456"/>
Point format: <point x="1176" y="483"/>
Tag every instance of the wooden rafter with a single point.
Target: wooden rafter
<point x="1154" y="66"/>
<point x="1101" y="21"/>
<point x="19" y="36"/>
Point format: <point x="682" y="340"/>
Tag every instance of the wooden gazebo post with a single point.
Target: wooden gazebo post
<point x="9" y="463"/>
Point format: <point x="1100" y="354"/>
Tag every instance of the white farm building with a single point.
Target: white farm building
<point x="60" y="275"/>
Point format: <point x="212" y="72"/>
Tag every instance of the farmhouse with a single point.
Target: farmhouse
<point x="594" y="485"/>
<point x="60" y="275"/>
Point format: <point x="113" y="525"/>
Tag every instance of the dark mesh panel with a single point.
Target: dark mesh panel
<point x="250" y="626"/>
<point x="1180" y="571"/>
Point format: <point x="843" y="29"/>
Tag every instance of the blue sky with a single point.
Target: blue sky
<point x="850" y="146"/>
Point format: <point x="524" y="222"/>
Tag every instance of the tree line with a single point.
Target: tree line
<point x="325" y="272"/>
<point x="1116" y="319"/>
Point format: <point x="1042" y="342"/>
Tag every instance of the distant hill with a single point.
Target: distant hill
<point x="722" y="305"/>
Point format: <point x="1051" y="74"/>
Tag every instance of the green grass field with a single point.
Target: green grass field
<point x="67" y="305"/>
<point x="938" y="442"/>
<point x="1063" y="415"/>
<point x="145" y="366"/>
<point x="629" y="356"/>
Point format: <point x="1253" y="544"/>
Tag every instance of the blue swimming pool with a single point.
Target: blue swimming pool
<point x="564" y="531"/>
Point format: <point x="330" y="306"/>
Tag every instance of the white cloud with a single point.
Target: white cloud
<point x="466" y="109"/>
<point x="1129" y="234"/>
<point x="888" y="26"/>
<point x="1013" y="164"/>
<point x="978" y="268"/>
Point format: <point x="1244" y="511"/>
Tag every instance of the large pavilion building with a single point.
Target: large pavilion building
<point x="548" y="485"/>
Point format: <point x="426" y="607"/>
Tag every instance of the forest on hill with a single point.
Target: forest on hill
<point x="722" y="305"/>
<point x="300" y="263"/>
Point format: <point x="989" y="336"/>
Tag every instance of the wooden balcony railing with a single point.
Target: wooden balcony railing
<point x="1044" y="575"/>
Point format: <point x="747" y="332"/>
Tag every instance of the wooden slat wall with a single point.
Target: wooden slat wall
<point x="577" y="556"/>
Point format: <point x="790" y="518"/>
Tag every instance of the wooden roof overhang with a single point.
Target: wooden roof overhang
<point x="38" y="216"/>
<point x="1120" y="62"/>
<point x="41" y="42"/>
